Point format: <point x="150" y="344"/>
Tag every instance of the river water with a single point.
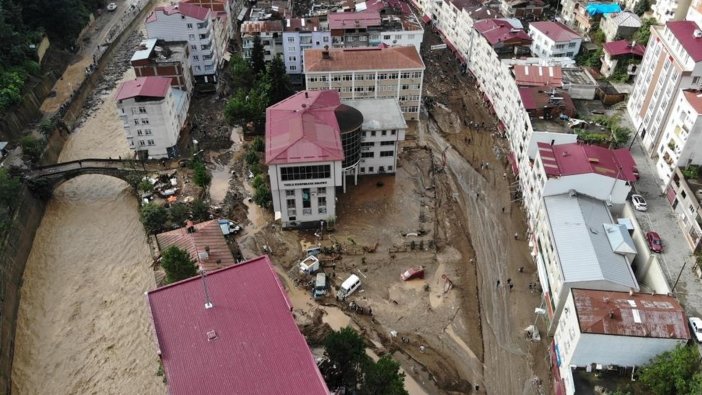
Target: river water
<point x="83" y="323"/>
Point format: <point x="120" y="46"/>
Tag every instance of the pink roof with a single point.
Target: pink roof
<point x="187" y="9"/>
<point x="556" y="31"/>
<point x="623" y="47"/>
<point x="684" y="31"/>
<point x="154" y="87"/>
<point x="573" y="159"/>
<point x="695" y="99"/>
<point x="497" y="31"/>
<point x="640" y="314"/>
<point x="528" y="75"/>
<point x="247" y="343"/>
<point x="304" y="128"/>
<point x="353" y="20"/>
<point x="207" y="234"/>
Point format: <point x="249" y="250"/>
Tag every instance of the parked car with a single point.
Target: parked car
<point x="349" y="286"/>
<point x="639" y="202"/>
<point x="636" y="173"/>
<point x="696" y="326"/>
<point x="654" y="242"/>
<point x="111" y="6"/>
<point x="412" y="273"/>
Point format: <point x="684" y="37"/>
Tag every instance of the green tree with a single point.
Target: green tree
<point x="258" y="144"/>
<point x="262" y="195"/>
<point x="9" y="189"/>
<point x="257" y="181"/>
<point x="279" y="83"/>
<point x="177" y="264"/>
<point x="641" y="7"/>
<point x="145" y="186"/>
<point x="383" y="378"/>
<point x="32" y="147"/>
<point x="644" y="33"/>
<point x="200" y="210"/>
<point x="241" y="73"/>
<point x="201" y="176"/>
<point x="258" y="62"/>
<point x="178" y="213"/>
<point x="347" y="353"/>
<point x="251" y="157"/>
<point x="153" y="216"/>
<point x="248" y="107"/>
<point x="673" y="372"/>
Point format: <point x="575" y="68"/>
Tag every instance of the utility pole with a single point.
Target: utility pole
<point x="679" y="274"/>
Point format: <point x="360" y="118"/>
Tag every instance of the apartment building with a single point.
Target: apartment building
<point x="622" y="53"/>
<point x="397" y="26"/>
<point x="553" y="39"/>
<point x="672" y="62"/>
<point x="152" y="114"/>
<point x="270" y="33"/>
<point x="527" y="10"/>
<point x="505" y="36"/>
<point x="300" y="34"/>
<point x="684" y="195"/>
<point x="620" y="25"/>
<point x="670" y="10"/>
<point x="365" y="73"/>
<point x="194" y="24"/>
<point x="164" y="59"/>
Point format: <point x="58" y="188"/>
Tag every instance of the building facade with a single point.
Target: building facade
<point x="301" y="34"/>
<point x="620" y="26"/>
<point x="670" y="10"/>
<point x="553" y="39"/>
<point x="622" y="53"/>
<point x="369" y="73"/>
<point x="684" y="196"/>
<point x="164" y="59"/>
<point x="270" y="33"/>
<point x="153" y="115"/>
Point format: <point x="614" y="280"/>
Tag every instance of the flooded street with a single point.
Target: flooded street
<point x="83" y="322"/>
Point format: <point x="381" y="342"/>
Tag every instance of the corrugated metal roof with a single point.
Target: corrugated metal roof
<point x="581" y="242"/>
<point x="207" y="234"/>
<point x="247" y="343"/>
<point x="575" y="158"/>
<point x="556" y="31"/>
<point x="154" y="87"/>
<point x="619" y="313"/>
<point x="619" y="239"/>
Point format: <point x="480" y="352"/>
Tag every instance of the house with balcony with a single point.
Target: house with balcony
<point x="525" y="10"/>
<point x="270" y="34"/>
<point x="620" y="26"/>
<point x="585" y="16"/>
<point x="300" y="34"/>
<point x="193" y="24"/>
<point x="684" y="193"/>
<point x="554" y="39"/>
<point x="506" y="36"/>
<point x="391" y="23"/>
<point x="153" y="114"/>
<point x="164" y="59"/>
<point x="624" y="54"/>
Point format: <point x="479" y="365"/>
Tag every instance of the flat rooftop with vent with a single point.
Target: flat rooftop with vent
<point x="232" y="332"/>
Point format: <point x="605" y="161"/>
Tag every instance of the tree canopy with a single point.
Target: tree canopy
<point x="641" y="7"/>
<point x="644" y="33"/>
<point x="177" y="264"/>
<point x="674" y="372"/>
<point x="153" y="216"/>
<point x="258" y="59"/>
<point x="383" y="378"/>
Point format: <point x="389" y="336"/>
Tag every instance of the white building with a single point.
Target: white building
<point x="603" y="329"/>
<point x="152" y="114"/>
<point x="672" y="62"/>
<point x="270" y="33"/>
<point x="369" y="73"/>
<point x="681" y="144"/>
<point x="194" y="24"/>
<point x="554" y="39"/>
<point x="383" y="128"/>
<point x="301" y="34"/>
<point x="670" y="10"/>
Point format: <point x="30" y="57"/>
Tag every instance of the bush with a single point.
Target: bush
<point x="145" y="186"/>
<point x="262" y="196"/>
<point x="257" y="181"/>
<point x="11" y="83"/>
<point x="201" y="176"/>
<point x="153" y="216"/>
<point x="251" y="157"/>
<point x="200" y="211"/>
<point x="9" y="189"/>
<point x="258" y="144"/>
<point x="32" y="147"/>
<point x="179" y="213"/>
<point x="691" y="172"/>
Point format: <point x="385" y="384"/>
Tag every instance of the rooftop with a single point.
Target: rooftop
<point x="353" y="20"/>
<point x="623" y="47"/>
<point x="640" y="315"/>
<point x="252" y="27"/>
<point x="144" y="88"/>
<point x="185" y="9"/>
<point x="584" y="251"/>
<point x="602" y="8"/>
<point x="206" y="235"/>
<point x="246" y="343"/>
<point x="301" y="24"/>
<point x="160" y="50"/>
<point x="684" y="32"/>
<point x="572" y="159"/>
<point x="577" y="76"/>
<point x="214" y="5"/>
<point x="498" y="31"/>
<point x="304" y="128"/>
<point x="531" y="75"/>
<point x="625" y="19"/>
<point x="482" y="12"/>
<point x="356" y="59"/>
<point x="695" y="99"/>
<point x="536" y="98"/>
<point x="556" y="31"/>
<point x="379" y="114"/>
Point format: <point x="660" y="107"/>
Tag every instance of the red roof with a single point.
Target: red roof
<point x="695" y="99"/>
<point x="186" y="9"/>
<point x="556" y="31"/>
<point x="684" y="31"/>
<point x="573" y="159"/>
<point x="353" y="20"/>
<point x="207" y="234"/>
<point x="640" y="314"/>
<point x="155" y="87"/>
<point x="528" y="75"/>
<point x="498" y="31"/>
<point x="623" y="47"/>
<point x="536" y="98"/>
<point x="304" y="128"/>
<point x="247" y="343"/>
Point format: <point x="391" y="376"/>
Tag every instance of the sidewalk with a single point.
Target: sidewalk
<point x="660" y="218"/>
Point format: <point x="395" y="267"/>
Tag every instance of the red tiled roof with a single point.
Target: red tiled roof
<point x="640" y="314"/>
<point x="556" y="31"/>
<point x="207" y="234"/>
<point x="684" y="31"/>
<point x="304" y="128"/>
<point x="155" y="87"/>
<point x="572" y="159"/>
<point x="187" y="9"/>
<point x="353" y="20"/>
<point x="695" y="99"/>
<point x="529" y="75"/>
<point x="499" y="31"/>
<point x="623" y="47"/>
<point x="301" y="24"/>
<point x="247" y="343"/>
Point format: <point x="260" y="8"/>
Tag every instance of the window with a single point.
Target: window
<point x="386" y="153"/>
<point x="405" y="86"/>
<point x="321" y="191"/>
<point x="322" y="201"/>
<point x="136" y="121"/>
<point x="291" y="39"/>
<point x="195" y="57"/>
<point x="370" y="143"/>
<point x="191" y="36"/>
<point x="290" y="192"/>
<point x="193" y="47"/>
<point x="571" y="45"/>
<point x="144" y="121"/>
<point x="373" y="133"/>
<point x="293" y="68"/>
<point x="292" y="58"/>
<point x="292" y="49"/>
<point x="142" y="110"/>
<point x="291" y="202"/>
<point x="695" y="80"/>
<point x="139" y="132"/>
<point x="325" y="39"/>
<point x="150" y="142"/>
<point x="367" y="154"/>
<point x="304" y="172"/>
<point x="198" y="68"/>
<point x="387" y="143"/>
<point x="347" y="77"/>
<point x="142" y="143"/>
<point x="306" y="199"/>
<point x="405" y="74"/>
<point x="370" y="169"/>
<point x="382" y="76"/>
<point x="189" y="25"/>
<point x="389" y="168"/>
<point x="147" y="132"/>
<point x="398" y="37"/>
<point x="386" y="37"/>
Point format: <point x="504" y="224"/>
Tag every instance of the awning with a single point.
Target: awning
<point x="426" y="19"/>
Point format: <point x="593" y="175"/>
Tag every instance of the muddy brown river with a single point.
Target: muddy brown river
<point x="83" y="324"/>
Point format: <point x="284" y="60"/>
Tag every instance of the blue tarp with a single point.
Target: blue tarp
<point x="598" y="8"/>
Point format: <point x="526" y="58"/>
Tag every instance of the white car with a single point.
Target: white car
<point x="696" y="326"/>
<point x="639" y="202"/>
<point x="111" y="6"/>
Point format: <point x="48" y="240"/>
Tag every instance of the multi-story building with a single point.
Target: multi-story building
<point x="164" y="59"/>
<point x="694" y="13"/>
<point x="625" y="54"/>
<point x="152" y="114"/>
<point x="684" y="194"/>
<point x="670" y="10"/>
<point x="672" y="62"/>
<point x="539" y="76"/>
<point x="681" y="144"/>
<point x="369" y="73"/>
<point x="383" y="128"/>
<point x="528" y="10"/>
<point x="506" y="38"/>
<point x="392" y="24"/>
<point x="553" y="39"/>
<point x="620" y="25"/>
<point x="584" y="15"/>
<point x="301" y="34"/>
<point x="191" y="23"/>
<point x="601" y="330"/>
<point x="270" y="34"/>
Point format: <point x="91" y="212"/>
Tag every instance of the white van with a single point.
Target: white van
<point x="320" y="286"/>
<point x="349" y="286"/>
